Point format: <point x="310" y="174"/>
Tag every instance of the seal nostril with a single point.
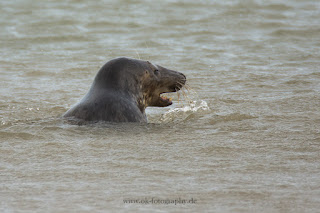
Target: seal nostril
<point x="184" y="79"/>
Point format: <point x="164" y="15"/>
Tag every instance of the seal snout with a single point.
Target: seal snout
<point x="175" y="82"/>
<point x="179" y="82"/>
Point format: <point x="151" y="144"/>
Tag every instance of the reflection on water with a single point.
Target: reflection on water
<point x="244" y="137"/>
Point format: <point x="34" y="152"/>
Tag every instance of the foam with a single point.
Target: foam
<point x="182" y="113"/>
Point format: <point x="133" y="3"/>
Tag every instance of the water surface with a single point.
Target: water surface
<point x="244" y="139"/>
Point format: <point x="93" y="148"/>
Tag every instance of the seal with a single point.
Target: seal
<point x="123" y="88"/>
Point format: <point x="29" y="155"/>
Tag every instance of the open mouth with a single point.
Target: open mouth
<point x="165" y="101"/>
<point x="160" y="100"/>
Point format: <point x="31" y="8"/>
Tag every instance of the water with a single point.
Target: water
<point x="244" y="139"/>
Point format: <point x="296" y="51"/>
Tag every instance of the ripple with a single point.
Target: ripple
<point x="231" y="118"/>
<point x="8" y="136"/>
<point x="301" y="33"/>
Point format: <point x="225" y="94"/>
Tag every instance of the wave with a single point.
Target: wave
<point x="181" y="114"/>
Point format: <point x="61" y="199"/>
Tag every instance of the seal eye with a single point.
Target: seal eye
<point x="156" y="72"/>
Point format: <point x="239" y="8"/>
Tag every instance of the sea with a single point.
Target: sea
<point x="242" y="136"/>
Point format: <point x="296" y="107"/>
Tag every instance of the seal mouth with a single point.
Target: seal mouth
<point x="160" y="100"/>
<point x="164" y="101"/>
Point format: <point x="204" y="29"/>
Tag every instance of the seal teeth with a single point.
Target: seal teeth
<point x="165" y="98"/>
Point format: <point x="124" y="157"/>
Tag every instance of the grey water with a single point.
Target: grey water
<point x="244" y="138"/>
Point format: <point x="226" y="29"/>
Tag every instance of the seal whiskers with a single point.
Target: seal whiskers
<point x="186" y="91"/>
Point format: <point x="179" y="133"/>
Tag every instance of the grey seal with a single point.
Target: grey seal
<point x="123" y="88"/>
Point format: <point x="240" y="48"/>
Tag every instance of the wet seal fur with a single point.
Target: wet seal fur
<point x="123" y="88"/>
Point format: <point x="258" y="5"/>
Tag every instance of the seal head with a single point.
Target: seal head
<point x="123" y="88"/>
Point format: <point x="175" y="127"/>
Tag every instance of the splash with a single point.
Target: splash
<point x="192" y="105"/>
<point x="182" y="113"/>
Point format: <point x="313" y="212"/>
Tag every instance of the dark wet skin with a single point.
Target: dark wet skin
<point x="123" y="88"/>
